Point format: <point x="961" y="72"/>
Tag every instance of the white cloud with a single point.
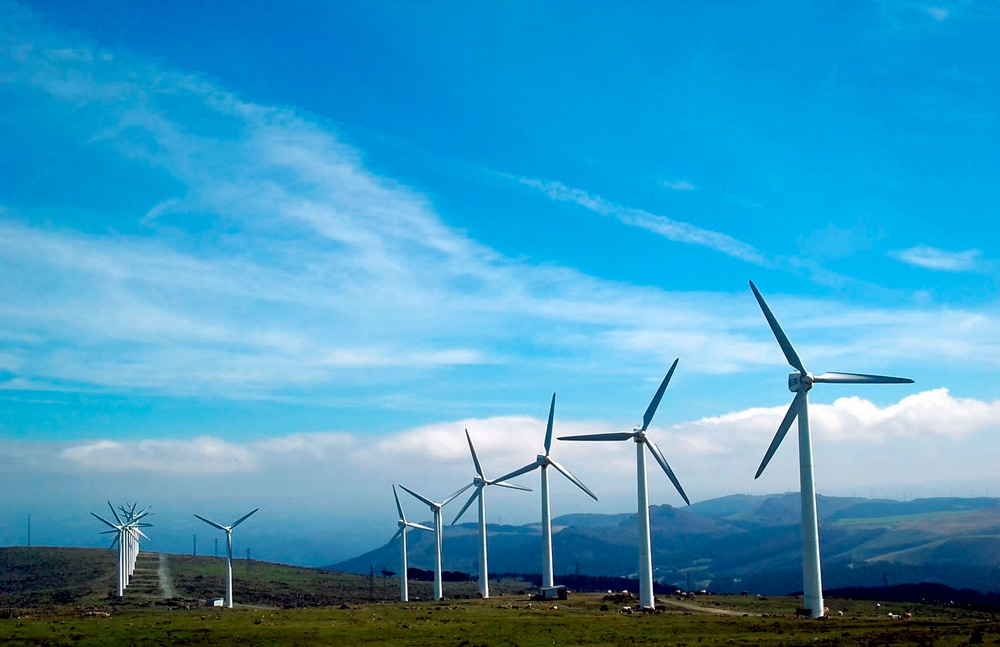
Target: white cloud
<point x="188" y="457"/>
<point x="674" y="230"/>
<point x="932" y="258"/>
<point x="678" y="185"/>
<point x="938" y="13"/>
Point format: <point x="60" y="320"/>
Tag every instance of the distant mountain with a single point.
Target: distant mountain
<point x="746" y="542"/>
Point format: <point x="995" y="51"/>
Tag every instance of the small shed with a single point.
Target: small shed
<point x="215" y="602"/>
<point x="557" y="592"/>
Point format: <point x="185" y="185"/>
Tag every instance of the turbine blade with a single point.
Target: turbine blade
<point x="212" y="523"/>
<point x="141" y="533"/>
<point x="419" y="526"/>
<point x="114" y="542"/>
<point x="793" y="410"/>
<point x="399" y="533"/>
<point x="453" y="495"/>
<point x="243" y="518"/>
<point x="117" y="518"/>
<point x="779" y="334"/>
<point x="402" y="517"/>
<point x="103" y="520"/>
<point x="107" y="532"/>
<point x="419" y="497"/>
<point x="658" y="455"/>
<point x="478" y="492"/>
<point x="614" y="435"/>
<point x="655" y="402"/>
<point x="475" y="459"/>
<point x="861" y="378"/>
<point x="577" y="482"/>
<point x="512" y="486"/>
<point x="548" y="427"/>
<point x="517" y="472"/>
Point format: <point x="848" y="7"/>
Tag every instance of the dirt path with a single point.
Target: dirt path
<point x="700" y="609"/>
<point x="166" y="583"/>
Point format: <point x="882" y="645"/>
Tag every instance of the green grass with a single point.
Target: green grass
<point x="499" y="622"/>
<point x="859" y="522"/>
<point x="37" y="582"/>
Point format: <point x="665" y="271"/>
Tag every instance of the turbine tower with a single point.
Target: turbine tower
<point x="404" y="525"/>
<point x="229" y="551"/>
<point x="543" y="461"/>
<point x="480" y="482"/>
<point x="800" y="383"/>
<point x="438" y="533"/>
<point x="638" y="434"/>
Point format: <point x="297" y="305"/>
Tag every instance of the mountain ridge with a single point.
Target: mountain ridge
<point x="739" y="541"/>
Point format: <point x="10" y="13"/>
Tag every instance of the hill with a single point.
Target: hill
<point x="746" y="542"/>
<point x="45" y="576"/>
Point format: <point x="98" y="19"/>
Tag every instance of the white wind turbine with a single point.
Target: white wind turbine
<point x="480" y="482"/>
<point x="800" y="383"/>
<point x="543" y="461"/>
<point x="404" y="525"/>
<point x="127" y="534"/>
<point x="438" y="533"/>
<point x="638" y="434"/>
<point x="229" y="551"/>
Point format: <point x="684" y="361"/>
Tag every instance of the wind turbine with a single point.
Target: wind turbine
<point x="480" y="482"/>
<point x="404" y="525"/>
<point x="126" y="536"/>
<point x="229" y="551"/>
<point x="638" y="434"/>
<point x="438" y="533"/>
<point x="800" y="383"/>
<point x="543" y="461"/>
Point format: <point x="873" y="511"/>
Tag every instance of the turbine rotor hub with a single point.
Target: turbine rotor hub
<point x="542" y="458"/>
<point x="800" y="382"/>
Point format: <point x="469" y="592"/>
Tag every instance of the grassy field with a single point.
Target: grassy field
<point x="61" y="597"/>
<point x="501" y="621"/>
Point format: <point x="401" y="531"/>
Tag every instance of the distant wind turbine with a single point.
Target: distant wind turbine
<point x="438" y="533"/>
<point x="638" y="434"/>
<point x="542" y="462"/>
<point x="480" y="482"/>
<point x="404" y="525"/>
<point x="127" y="532"/>
<point x="800" y="383"/>
<point x="229" y="551"/>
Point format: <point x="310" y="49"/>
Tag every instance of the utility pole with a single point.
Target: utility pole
<point x="194" y="545"/>
<point x="216" y="546"/>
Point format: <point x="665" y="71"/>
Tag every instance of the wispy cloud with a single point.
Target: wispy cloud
<point x="678" y="185"/>
<point x="932" y="258"/>
<point x="674" y="230"/>
<point x="938" y="13"/>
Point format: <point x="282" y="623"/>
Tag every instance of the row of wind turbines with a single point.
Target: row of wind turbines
<point x="799" y="383"/>
<point x="128" y="529"/>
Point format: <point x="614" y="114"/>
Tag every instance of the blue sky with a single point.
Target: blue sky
<point x="260" y="244"/>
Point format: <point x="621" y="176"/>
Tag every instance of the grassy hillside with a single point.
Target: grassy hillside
<point x="583" y="620"/>
<point x="41" y="576"/>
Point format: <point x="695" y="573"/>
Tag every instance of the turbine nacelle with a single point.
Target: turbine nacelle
<point x="542" y="459"/>
<point x="800" y="382"/>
